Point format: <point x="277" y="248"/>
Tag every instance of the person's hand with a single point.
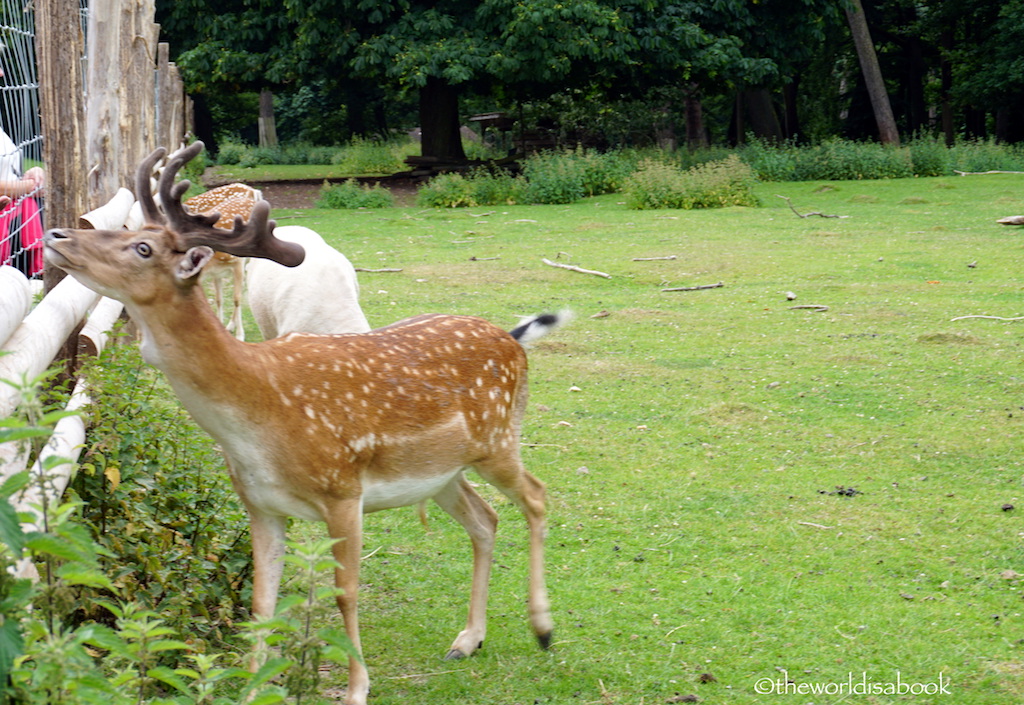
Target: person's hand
<point x="37" y="176"/>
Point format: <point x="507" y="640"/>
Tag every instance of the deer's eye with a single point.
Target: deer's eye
<point x="143" y="249"/>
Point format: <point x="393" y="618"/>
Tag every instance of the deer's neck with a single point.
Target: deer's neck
<point x="186" y="341"/>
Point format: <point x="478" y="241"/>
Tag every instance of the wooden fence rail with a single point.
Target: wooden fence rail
<point x="28" y="349"/>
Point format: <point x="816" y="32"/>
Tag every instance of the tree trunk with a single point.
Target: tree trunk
<point x="59" y="48"/>
<point x="439" y="122"/>
<point x="946" y="78"/>
<point x="696" y="136"/>
<point x="268" y="128"/>
<point x="760" y="110"/>
<point x="887" y="131"/>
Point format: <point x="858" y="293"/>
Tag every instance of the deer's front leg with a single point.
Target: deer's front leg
<point x="345" y="523"/>
<point x="268" y="539"/>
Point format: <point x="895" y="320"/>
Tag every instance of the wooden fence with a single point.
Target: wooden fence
<point x="136" y="102"/>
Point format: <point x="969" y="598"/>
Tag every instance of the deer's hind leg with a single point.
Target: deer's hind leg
<point x="480" y="521"/>
<point x="506" y="472"/>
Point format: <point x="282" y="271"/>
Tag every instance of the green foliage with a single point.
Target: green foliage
<point x="930" y="157"/>
<point x="986" y="155"/>
<point x="352" y="194"/>
<point x="728" y="182"/>
<point x="770" y="162"/>
<point x="480" y="187"/>
<point x="841" y="160"/>
<point x="365" y="156"/>
<point x="174" y="534"/>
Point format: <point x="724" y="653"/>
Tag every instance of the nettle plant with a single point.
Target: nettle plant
<point x="157" y="500"/>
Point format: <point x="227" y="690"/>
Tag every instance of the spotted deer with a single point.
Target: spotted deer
<point x="229" y="200"/>
<point x="327" y="427"/>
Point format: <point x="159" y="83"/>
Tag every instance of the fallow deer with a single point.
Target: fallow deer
<point x="229" y="201"/>
<point x="327" y="427"/>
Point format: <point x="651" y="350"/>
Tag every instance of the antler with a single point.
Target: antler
<point x="254" y="238"/>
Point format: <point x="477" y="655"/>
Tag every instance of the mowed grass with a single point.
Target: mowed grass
<point x="738" y="490"/>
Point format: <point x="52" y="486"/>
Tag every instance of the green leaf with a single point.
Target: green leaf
<point x="171" y="678"/>
<point x="10" y="529"/>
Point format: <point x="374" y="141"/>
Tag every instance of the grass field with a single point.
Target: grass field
<point x="739" y="491"/>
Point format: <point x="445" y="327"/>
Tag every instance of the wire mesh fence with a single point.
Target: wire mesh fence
<point x="21" y="175"/>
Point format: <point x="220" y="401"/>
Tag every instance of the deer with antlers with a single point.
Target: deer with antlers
<point x="326" y="427"/>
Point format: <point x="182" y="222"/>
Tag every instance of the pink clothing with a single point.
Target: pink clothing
<point x="23" y="212"/>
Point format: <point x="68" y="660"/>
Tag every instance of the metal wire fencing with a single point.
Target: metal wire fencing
<point x="20" y="141"/>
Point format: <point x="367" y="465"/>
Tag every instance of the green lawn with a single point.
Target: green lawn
<point x="736" y="488"/>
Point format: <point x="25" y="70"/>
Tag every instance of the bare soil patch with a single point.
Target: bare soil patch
<point x="302" y="194"/>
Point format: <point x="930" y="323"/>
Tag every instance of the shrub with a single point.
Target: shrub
<point x="231" y="153"/>
<point x="930" y="157"/>
<point x="479" y="187"/>
<point x="770" y="162"/>
<point x="352" y="194"/>
<point x="155" y="496"/>
<point x="985" y="155"/>
<point x="843" y="160"/>
<point x="261" y="156"/>
<point x="553" y="177"/>
<point x="655" y="184"/>
<point x="363" y="156"/>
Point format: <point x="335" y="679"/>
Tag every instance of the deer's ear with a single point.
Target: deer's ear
<point x="191" y="265"/>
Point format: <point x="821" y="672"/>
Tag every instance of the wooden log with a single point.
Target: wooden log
<point x="15" y="301"/>
<point x="33" y="345"/>
<point x="112" y="215"/>
<point x="65" y="443"/>
<point x="96" y="331"/>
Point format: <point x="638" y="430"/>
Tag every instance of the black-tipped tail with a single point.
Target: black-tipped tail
<point x="538" y="326"/>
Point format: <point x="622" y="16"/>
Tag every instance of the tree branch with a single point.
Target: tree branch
<point x="574" y="268"/>
<point x="695" y="288"/>
<point x="807" y="215"/>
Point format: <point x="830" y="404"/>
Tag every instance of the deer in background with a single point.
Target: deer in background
<point x="229" y="201"/>
<point x="327" y="427"/>
<point x="321" y="295"/>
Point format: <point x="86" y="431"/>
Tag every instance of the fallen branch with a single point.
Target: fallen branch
<point x="377" y="271"/>
<point x="1012" y="220"/>
<point x="993" y="318"/>
<point x="695" y="288"/>
<point x="574" y="268"/>
<point x="816" y="526"/>
<point x="652" y="259"/>
<point x="474" y="258"/>
<point x="982" y="173"/>
<point x="820" y="308"/>
<point x="807" y="215"/>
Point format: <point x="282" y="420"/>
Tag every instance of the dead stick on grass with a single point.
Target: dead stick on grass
<point x="474" y="258"/>
<point x="377" y="271"/>
<point x="820" y="308"/>
<point x="993" y="318"/>
<point x="652" y="259"/>
<point x="695" y="288"/>
<point x="574" y="268"/>
<point x="807" y="215"/>
<point x="816" y="526"/>
<point x="424" y="675"/>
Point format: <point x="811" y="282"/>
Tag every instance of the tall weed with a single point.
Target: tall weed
<point x="352" y="194"/>
<point x="655" y="184"/>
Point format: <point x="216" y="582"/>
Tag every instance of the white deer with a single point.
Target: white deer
<point x="321" y="295"/>
<point x="326" y="427"/>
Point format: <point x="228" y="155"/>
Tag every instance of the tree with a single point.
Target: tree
<point x="872" y="74"/>
<point x="230" y="45"/>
